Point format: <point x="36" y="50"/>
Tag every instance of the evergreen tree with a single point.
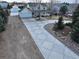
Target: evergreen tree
<point x="3" y="20"/>
<point x="75" y="32"/>
<point x="60" y="24"/>
<point x="63" y="9"/>
<point x="2" y="25"/>
<point x="75" y="16"/>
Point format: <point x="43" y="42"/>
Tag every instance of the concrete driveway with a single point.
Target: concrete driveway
<point x="49" y="46"/>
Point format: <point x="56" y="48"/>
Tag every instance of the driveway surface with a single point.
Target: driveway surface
<point x="17" y="43"/>
<point x="49" y="46"/>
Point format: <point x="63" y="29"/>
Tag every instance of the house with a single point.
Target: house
<point x="14" y="11"/>
<point x="43" y="9"/>
<point x="4" y="4"/>
<point x="25" y="13"/>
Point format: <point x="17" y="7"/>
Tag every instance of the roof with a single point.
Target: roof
<point x="25" y="10"/>
<point x="4" y="4"/>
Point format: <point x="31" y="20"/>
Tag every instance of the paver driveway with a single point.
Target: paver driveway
<point x="49" y="46"/>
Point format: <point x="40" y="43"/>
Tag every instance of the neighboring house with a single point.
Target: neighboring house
<point x="43" y="9"/>
<point x="71" y="8"/>
<point x="14" y="11"/>
<point x="4" y="4"/>
<point x="25" y="13"/>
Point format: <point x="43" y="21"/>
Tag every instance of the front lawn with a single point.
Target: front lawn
<point x="56" y="17"/>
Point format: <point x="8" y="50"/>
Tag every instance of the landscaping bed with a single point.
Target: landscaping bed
<point x="63" y="37"/>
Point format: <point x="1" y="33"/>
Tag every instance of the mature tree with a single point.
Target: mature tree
<point x="75" y="25"/>
<point x="2" y="25"/>
<point x="75" y="16"/>
<point x="3" y="19"/>
<point x="75" y="32"/>
<point x="39" y="10"/>
<point x="38" y="2"/>
<point x="63" y="9"/>
<point x="51" y="3"/>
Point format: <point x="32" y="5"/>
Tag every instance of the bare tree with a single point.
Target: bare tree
<point x="39" y="11"/>
<point x="51" y="3"/>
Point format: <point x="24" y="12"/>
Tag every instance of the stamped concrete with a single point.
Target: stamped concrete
<point x="49" y="46"/>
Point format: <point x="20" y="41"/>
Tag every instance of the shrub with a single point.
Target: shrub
<point x="75" y="25"/>
<point x="3" y="19"/>
<point x="60" y="24"/>
<point x="55" y="27"/>
<point x="2" y="25"/>
<point x="75" y="16"/>
<point x="69" y="24"/>
<point x="75" y="32"/>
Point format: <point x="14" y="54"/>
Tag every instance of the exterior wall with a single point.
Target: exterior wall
<point x="25" y="13"/>
<point x="43" y="10"/>
<point x="14" y="11"/>
<point x="42" y="13"/>
<point x="26" y="16"/>
<point x="41" y="7"/>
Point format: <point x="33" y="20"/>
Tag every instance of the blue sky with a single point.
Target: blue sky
<point x="70" y="1"/>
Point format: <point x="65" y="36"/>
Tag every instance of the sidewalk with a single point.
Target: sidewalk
<point x="49" y="46"/>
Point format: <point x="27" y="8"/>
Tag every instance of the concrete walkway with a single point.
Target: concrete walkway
<point x="49" y="46"/>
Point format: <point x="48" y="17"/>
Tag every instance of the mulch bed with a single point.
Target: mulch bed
<point x="65" y="39"/>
